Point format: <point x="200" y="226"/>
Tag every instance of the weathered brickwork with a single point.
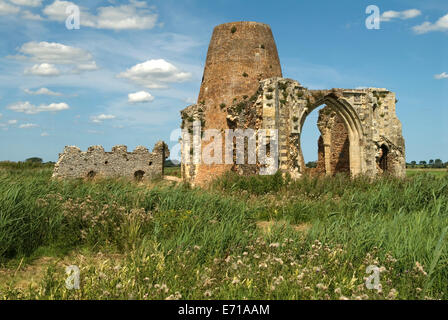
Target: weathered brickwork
<point x="138" y="165"/>
<point x="243" y="88"/>
<point x="239" y="56"/>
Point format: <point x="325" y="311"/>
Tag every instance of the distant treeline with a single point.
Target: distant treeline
<point x="431" y="164"/>
<point x="36" y="162"/>
<point x="27" y="164"/>
<point x="169" y="163"/>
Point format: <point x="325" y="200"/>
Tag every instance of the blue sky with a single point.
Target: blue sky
<point x="63" y="87"/>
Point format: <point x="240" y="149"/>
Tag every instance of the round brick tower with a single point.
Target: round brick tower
<point x="239" y="56"/>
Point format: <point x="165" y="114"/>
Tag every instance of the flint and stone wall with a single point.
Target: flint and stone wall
<point x="96" y="163"/>
<point x="366" y="116"/>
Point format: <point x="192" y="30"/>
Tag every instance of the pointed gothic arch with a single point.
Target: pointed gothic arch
<point x="352" y="123"/>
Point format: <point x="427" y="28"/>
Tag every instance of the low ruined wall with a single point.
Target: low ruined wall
<point x="96" y="163"/>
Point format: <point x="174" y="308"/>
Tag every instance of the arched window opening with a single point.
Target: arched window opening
<point x="91" y="175"/>
<point x="312" y="144"/>
<point x="333" y="144"/>
<point x="382" y="162"/>
<point x="138" y="175"/>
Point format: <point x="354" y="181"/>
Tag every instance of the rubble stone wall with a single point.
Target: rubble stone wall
<point x="96" y="163"/>
<point x="367" y="115"/>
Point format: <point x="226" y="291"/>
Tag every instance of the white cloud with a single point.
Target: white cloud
<point x="28" y="125"/>
<point x="31" y="16"/>
<point x="132" y="16"/>
<point x="43" y="91"/>
<point x="100" y="118"/>
<point x="441" y="76"/>
<point x="126" y="17"/>
<point x="12" y="8"/>
<point x="30" y="3"/>
<point x="410" y="14"/>
<point x="49" y="54"/>
<point x="95" y="132"/>
<point x="54" y="52"/>
<point x="439" y="25"/>
<point x="403" y="15"/>
<point x="89" y="66"/>
<point x="7" y="8"/>
<point x="155" y="74"/>
<point x="57" y="12"/>
<point x="43" y="69"/>
<point x="10" y="122"/>
<point x="190" y="100"/>
<point x="44" y="134"/>
<point x="141" y="96"/>
<point x="28" y="108"/>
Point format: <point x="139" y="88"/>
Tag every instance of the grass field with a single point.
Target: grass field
<point x="173" y="171"/>
<point x="435" y="172"/>
<point x="244" y="237"/>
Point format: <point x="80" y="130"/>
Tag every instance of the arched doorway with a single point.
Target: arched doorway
<point x="349" y="120"/>
<point x="138" y="175"/>
<point x="382" y="158"/>
<point x="325" y="143"/>
<point x="91" y="175"/>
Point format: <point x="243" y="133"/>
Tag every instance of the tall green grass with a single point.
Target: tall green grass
<point x="37" y="211"/>
<point x="205" y="243"/>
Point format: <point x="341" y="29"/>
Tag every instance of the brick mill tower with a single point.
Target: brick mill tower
<point x="240" y="55"/>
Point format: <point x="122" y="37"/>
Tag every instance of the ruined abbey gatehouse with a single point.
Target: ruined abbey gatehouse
<point x="243" y="87"/>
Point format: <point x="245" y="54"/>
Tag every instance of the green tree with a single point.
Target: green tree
<point x="423" y="163"/>
<point x="413" y="163"/>
<point x="34" y="160"/>
<point x="438" y="163"/>
<point x="311" y="164"/>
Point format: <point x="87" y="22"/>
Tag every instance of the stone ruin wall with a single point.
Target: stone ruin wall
<point x="286" y="104"/>
<point x="243" y="88"/>
<point x="139" y="165"/>
<point x="334" y="143"/>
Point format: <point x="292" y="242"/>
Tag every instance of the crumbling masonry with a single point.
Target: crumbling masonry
<point x="139" y="165"/>
<point x="243" y="87"/>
